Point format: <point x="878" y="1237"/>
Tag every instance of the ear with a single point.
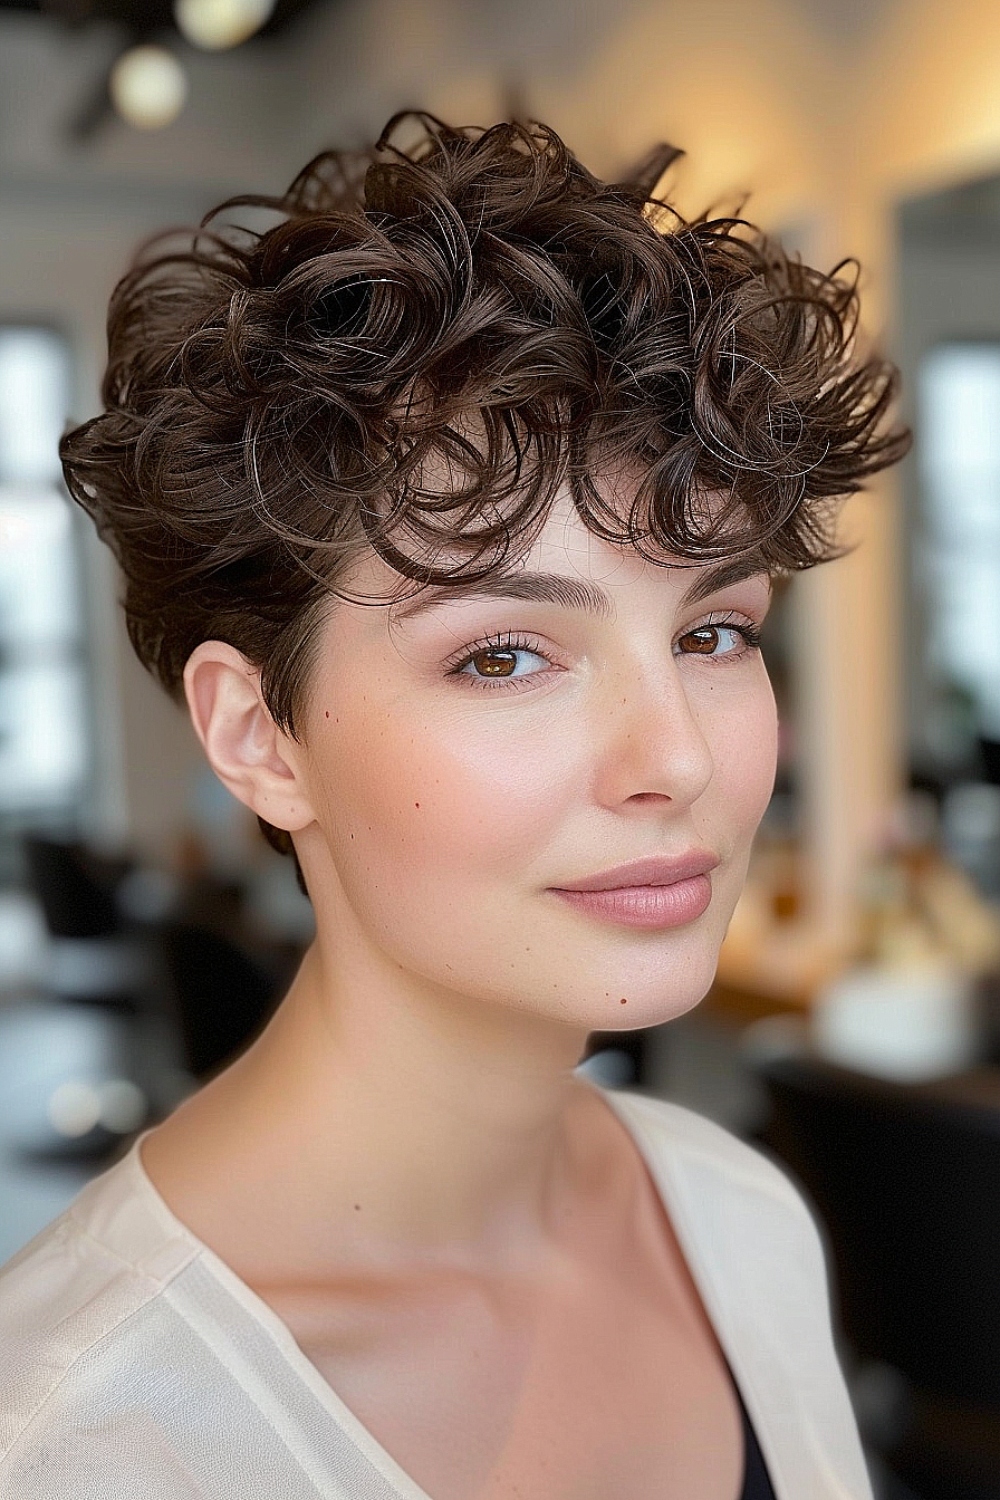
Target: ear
<point x="258" y="762"/>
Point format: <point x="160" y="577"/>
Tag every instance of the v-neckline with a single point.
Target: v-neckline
<point x="627" y="1108"/>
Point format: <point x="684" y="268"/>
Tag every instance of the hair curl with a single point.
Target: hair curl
<point x="419" y="348"/>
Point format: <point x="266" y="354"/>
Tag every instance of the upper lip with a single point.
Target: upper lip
<point x="660" y="870"/>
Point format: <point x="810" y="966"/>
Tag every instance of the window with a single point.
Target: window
<point x="43" y="702"/>
<point x="959" y="397"/>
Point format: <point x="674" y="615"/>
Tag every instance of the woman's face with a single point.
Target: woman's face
<point x="468" y="757"/>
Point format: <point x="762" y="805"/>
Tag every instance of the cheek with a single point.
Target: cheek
<point x="446" y="803"/>
<point x="744" y="746"/>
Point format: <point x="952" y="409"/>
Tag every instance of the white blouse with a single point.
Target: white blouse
<point x="135" y="1363"/>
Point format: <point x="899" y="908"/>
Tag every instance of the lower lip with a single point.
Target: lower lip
<point x="649" y="906"/>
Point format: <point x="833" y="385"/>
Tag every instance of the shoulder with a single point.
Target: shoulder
<point x="716" y="1179"/>
<point x="760" y="1264"/>
<point x="678" y="1133"/>
<point x="75" y="1287"/>
<point x="745" y="1227"/>
<point x="56" y="1300"/>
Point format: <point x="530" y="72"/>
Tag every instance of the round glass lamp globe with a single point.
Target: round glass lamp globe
<point x="148" y="87"/>
<point x="217" y="24"/>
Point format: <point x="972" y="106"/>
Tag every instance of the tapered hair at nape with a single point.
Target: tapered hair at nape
<point x="416" y="346"/>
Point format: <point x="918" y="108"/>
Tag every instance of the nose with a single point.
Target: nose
<point x="651" y="745"/>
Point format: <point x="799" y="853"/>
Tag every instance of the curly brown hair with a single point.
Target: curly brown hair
<point x="418" y="349"/>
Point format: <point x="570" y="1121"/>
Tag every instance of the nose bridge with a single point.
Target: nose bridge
<point x="653" y="742"/>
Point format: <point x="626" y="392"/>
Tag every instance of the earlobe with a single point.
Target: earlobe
<point x="252" y="757"/>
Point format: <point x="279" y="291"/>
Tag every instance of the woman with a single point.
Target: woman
<point x="452" y="501"/>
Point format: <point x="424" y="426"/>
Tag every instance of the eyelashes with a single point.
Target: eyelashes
<point x="510" y="644"/>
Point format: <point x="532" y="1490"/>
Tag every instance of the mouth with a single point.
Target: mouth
<point x="653" y="893"/>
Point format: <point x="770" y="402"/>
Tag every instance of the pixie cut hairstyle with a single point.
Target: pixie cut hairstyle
<point x="415" y="347"/>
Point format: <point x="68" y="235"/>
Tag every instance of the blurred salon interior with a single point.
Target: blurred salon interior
<point x="146" y="929"/>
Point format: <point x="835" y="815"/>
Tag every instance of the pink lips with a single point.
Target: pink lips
<point x="656" y="871"/>
<point x="648" y="893"/>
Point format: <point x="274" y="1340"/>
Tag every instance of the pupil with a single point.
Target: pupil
<point x="706" y="639"/>
<point x="495" y="663"/>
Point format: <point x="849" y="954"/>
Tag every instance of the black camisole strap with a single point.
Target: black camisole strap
<point x="756" y="1480"/>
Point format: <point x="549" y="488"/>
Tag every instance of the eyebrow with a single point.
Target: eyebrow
<point x="572" y="593"/>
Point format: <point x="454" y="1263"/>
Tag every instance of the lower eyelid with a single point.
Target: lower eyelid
<point x="499" y="684"/>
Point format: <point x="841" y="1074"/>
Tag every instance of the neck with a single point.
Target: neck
<point x="406" y="1122"/>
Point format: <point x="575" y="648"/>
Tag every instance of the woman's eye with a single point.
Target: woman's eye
<point x="719" y="640"/>
<point x="493" y="662"/>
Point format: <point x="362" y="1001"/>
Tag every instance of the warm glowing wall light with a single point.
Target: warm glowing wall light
<point x="217" y="24"/>
<point x="148" y="87"/>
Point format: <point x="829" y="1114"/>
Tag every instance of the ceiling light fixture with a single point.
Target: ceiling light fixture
<point x="148" y="87"/>
<point x="217" y="24"/>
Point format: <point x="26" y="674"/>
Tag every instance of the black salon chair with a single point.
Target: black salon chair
<point x="906" y="1179"/>
<point x="94" y="955"/>
<point x="74" y="888"/>
<point x="223" y="993"/>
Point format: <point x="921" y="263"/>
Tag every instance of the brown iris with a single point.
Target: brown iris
<point x="495" y="663"/>
<point x="705" y="640"/>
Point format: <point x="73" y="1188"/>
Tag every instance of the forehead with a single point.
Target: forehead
<point x="565" y="563"/>
<point x="632" y="585"/>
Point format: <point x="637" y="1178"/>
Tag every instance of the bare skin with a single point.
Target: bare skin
<point x="460" y="1235"/>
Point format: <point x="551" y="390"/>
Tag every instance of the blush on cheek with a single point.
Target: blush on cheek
<point x="762" y="765"/>
<point x="442" y="809"/>
<point x="746" y="754"/>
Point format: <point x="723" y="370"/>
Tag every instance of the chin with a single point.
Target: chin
<point x="659" y="992"/>
<point x="655" y="1010"/>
